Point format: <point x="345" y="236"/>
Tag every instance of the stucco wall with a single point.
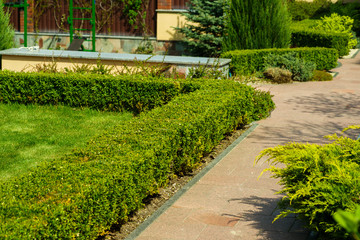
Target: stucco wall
<point x="166" y="21"/>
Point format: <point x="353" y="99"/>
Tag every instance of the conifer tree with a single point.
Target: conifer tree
<point x="204" y="30"/>
<point x="257" y="24"/>
<point x="6" y="31"/>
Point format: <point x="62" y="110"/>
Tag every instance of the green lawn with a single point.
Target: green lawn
<point x="33" y="134"/>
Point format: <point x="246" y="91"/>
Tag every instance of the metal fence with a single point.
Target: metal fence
<point x="54" y="19"/>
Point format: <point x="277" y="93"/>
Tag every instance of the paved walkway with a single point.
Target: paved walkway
<point x="229" y="202"/>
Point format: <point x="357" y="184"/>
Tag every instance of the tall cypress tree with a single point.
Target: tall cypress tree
<point x="256" y="24"/>
<point x="204" y="30"/>
<point x="6" y="31"/>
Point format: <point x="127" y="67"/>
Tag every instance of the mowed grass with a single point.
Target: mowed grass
<point x="32" y="134"/>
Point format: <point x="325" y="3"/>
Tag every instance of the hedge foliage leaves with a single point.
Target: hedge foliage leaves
<point x="105" y="93"/>
<point x="82" y="194"/>
<point x="247" y="62"/>
<point x="305" y="37"/>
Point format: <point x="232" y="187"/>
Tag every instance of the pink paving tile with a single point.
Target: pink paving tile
<point x="175" y="215"/>
<point x="264" y="223"/>
<point x="223" y="180"/>
<point x="217" y="233"/>
<point x="229" y="199"/>
<point x="188" y="230"/>
<point x="152" y="238"/>
<point x="237" y="179"/>
<point x="268" y="235"/>
<point x="216" y="219"/>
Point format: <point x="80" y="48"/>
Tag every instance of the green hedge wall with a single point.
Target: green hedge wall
<point x="302" y="37"/>
<point x="106" y="93"/>
<point x="245" y="62"/>
<point x="84" y="193"/>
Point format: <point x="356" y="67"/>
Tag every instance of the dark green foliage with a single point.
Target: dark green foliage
<point x="305" y="24"/>
<point x="301" y="70"/>
<point x="317" y="180"/>
<point x="203" y="36"/>
<point x="349" y="9"/>
<point x="6" y="31"/>
<point x="257" y="24"/>
<point x="245" y="62"/>
<point x="303" y="37"/>
<point x="106" y="93"/>
<point x="300" y="10"/>
<point x="84" y="193"/>
<point x="319" y="8"/>
<point x="321" y="76"/>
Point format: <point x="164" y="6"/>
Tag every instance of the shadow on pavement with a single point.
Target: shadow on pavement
<point x="262" y="218"/>
<point x="332" y="106"/>
<point x="304" y="132"/>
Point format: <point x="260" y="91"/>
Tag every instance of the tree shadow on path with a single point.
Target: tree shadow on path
<point x="262" y="218"/>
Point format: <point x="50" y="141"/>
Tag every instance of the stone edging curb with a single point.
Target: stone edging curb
<point x="192" y="182"/>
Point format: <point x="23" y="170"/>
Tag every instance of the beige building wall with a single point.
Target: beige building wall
<point x="166" y="21"/>
<point x="31" y="64"/>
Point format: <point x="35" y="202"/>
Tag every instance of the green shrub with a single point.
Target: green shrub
<point x="300" y="10"/>
<point x="301" y="70"/>
<point x="303" y="37"/>
<point x="82" y="194"/>
<point x="246" y="62"/>
<point x="321" y="76"/>
<point x="278" y="75"/>
<point x="305" y="24"/>
<point x="351" y="9"/>
<point x="6" y="31"/>
<point x="338" y="24"/>
<point x="256" y="25"/>
<point x="204" y="31"/>
<point x="106" y="93"/>
<point x="317" y="180"/>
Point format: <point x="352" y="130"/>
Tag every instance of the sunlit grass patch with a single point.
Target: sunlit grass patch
<point x="32" y="134"/>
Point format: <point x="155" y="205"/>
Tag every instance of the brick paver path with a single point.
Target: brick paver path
<point x="229" y="202"/>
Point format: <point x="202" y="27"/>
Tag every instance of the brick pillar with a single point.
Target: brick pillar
<point x="164" y="4"/>
<point x="30" y="16"/>
<point x="30" y="21"/>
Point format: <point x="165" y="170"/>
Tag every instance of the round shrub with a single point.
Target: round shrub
<point x="278" y="75"/>
<point x="321" y="76"/>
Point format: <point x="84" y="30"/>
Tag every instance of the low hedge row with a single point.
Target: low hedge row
<point x="247" y="62"/>
<point x="84" y="193"/>
<point x="106" y="93"/>
<point x="303" y="37"/>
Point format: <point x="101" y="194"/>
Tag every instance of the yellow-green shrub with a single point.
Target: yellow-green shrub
<point x="317" y="180"/>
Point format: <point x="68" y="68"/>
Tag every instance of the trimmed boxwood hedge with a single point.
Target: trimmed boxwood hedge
<point x="303" y="37"/>
<point x="245" y="62"/>
<point x="106" y="93"/>
<point x="82" y="194"/>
